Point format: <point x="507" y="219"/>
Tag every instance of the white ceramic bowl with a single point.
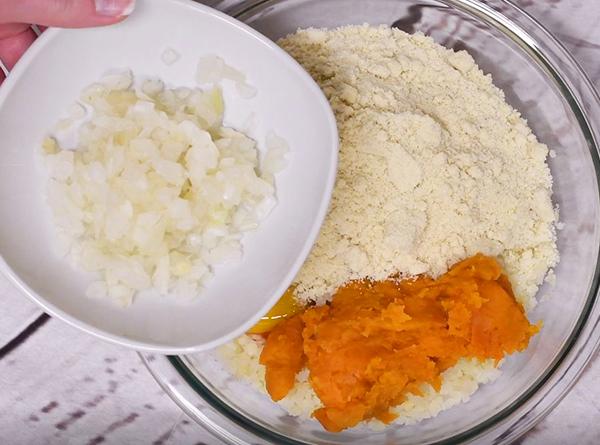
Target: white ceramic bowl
<point x="50" y="77"/>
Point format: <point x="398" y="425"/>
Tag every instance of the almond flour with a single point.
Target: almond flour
<point x="435" y="166"/>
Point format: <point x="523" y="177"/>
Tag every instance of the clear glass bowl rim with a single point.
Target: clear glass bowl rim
<point x="544" y="394"/>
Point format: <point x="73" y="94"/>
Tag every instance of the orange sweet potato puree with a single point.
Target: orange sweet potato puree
<point x="378" y="341"/>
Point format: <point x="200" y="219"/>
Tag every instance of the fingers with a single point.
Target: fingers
<point x="114" y="8"/>
<point x="13" y="46"/>
<point x="65" y="13"/>
<point x="11" y="29"/>
<point x="16" y="36"/>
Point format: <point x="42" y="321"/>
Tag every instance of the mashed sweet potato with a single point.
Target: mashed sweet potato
<point x="377" y="341"/>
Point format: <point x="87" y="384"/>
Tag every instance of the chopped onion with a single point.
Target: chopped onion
<point x="169" y="56"/>
<point x="157" y="191"/>
<point x="213" y="69"/>
<point x="246" y="91"/>
<point x="275" y="157"/>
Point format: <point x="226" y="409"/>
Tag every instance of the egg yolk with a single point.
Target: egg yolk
<point x="284" y="308"/>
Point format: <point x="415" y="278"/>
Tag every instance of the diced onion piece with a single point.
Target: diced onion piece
<point x="169" y="56"/>
<point x="151" y="87"/>
<point x="117" y="80"/>
<point x="274" y="160"/>
<point x="97" y="290"/>
<point x="210" y="69"/>
<point x="213" y="69"/>
<point x="247" y="91"/>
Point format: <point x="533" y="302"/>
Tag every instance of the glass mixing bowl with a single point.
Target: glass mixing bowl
<point x="540" y="79"/>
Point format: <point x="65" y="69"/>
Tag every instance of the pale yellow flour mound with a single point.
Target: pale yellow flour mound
<point x="434" y="165"/>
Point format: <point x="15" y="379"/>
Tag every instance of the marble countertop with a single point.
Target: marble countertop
<point x="61" y="386"/>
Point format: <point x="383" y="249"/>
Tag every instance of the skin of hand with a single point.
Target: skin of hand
<point x="16" y="16"/>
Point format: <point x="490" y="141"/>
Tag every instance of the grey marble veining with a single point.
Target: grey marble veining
<point x="60" y="386"/>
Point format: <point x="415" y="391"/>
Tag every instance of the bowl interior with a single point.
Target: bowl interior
<point x="535" y="89"/>
<point x="51" y="76"/>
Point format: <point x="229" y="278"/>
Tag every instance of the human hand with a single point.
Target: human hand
<point x="16" y="16"/>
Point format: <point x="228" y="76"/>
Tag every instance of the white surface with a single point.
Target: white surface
<point x="51" y="76"/>
<point x="52" y="365"/>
